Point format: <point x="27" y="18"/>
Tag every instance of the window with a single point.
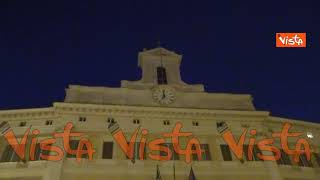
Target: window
<point x="284" y="159"/>
<point x="162" y="76"/>
<point x="220" y="124"/>
<point x="110" y="120"/>
<point x="166" y="122"/>
<point x="38" y="151"/>
<point x="195" y="123"/>
<point x="136" y="121"/>
<point x="9" y="155"/>
<point x="175" y="156"/>
<point x="22" y="124"/>
<point x="74" y="146"/>
<point x="107" y="150"/>
<point x="255" y="151"/>
<point x="136" y="151"/>
<point x="226" y="153"/>
<point x="82" y="119"/>
<point x="205" y="153"/>
<point x="303" y="161"/>
<point x="317" y="158"/>
<point x="49" y="122"/>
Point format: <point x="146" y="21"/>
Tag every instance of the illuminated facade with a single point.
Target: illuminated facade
<point x="156" y="102"/>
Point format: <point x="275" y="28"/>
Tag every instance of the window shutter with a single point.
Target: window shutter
<point x="74" y="146"/>
<point x="9" y="155"/>
<point x="256" y="150"/>
<point x="37" y="152"/>
<point x="206" y="155"/>
<point x="136" y="151"/>
<point x="107" y="150"/>
<point x="303" y="161"/>
<point x="6" y="155"/>
<point x="317" y="156"/>
<point x="174" y="156"/>
<point x="284" y="159"/>
<point x="226" y="153"/>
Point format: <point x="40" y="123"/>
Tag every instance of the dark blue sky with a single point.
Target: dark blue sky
<point x="227" y="45"/>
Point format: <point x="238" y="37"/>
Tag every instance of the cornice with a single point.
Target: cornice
<point x="27" y="113"/>
<point x="141" y="111"/>
<point x="152" y="111"/>
<point x="273" y="119"/>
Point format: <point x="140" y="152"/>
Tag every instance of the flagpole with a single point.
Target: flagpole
<point x="158" y="177"/>
<point x="174" y="166"/>
<point x="191" y="174"/>
<point x="174" y="170"/>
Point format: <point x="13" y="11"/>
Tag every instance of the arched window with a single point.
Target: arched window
<point x="162" y="76"/>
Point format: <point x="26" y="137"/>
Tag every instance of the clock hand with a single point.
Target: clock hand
<point x="163" y="94"/>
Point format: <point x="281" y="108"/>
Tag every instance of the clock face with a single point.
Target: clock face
<point x="164" y="95"/>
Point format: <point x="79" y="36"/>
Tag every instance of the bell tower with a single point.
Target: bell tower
<point x="160" y="67"/>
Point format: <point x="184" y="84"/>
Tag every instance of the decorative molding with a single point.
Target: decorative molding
<point x="153" y="111"/>
<point x="149" y="112"/>
<point x="27" y="113"/>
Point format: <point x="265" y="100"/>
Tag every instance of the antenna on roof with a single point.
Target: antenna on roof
<point x="160" y="52"/>
<point x="161" y="56"/>
<point x="158" y="43"/>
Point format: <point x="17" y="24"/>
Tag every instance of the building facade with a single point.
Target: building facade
<point x="156" y="102"/>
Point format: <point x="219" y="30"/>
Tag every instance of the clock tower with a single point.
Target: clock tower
<point x="160" y="67"/>
<point x="160" y="85"/>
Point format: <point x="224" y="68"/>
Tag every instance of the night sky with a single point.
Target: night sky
<point x="229" y="46"/>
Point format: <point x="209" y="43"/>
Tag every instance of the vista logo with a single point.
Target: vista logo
<point x="291" y="40"/>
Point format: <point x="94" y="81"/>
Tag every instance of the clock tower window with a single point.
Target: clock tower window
<point x="161" y="75"/>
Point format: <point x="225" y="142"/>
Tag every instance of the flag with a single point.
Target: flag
<point x="191" y="175"/>
<point x="158" y="174"/>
